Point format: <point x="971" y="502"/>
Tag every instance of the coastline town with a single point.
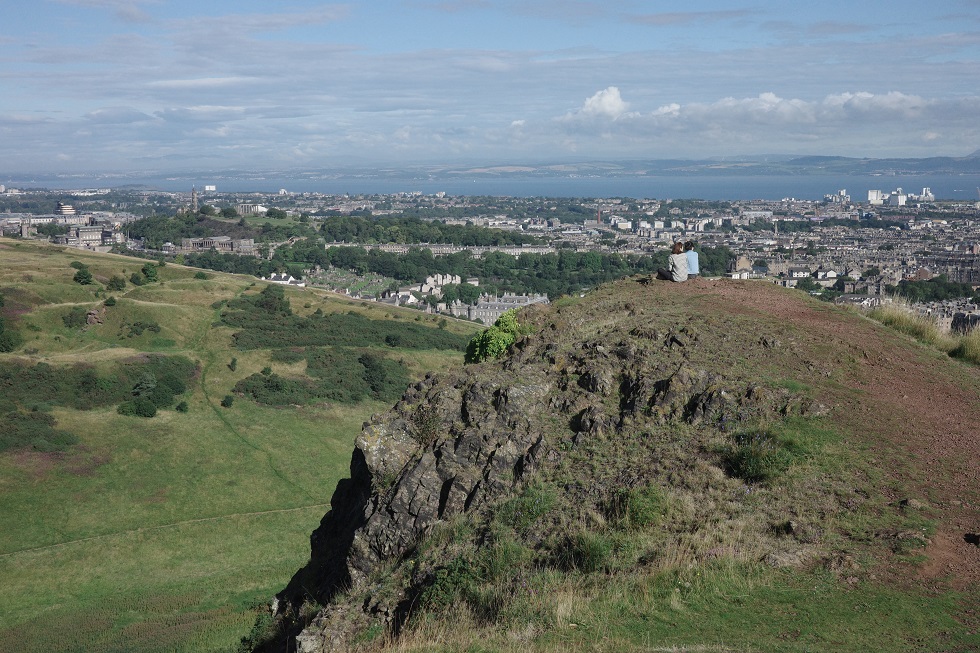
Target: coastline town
<point x="857" y="245"/>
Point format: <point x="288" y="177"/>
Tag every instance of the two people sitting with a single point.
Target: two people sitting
<point x="682" y="264"/>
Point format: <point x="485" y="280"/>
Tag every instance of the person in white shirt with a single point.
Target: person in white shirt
<point x="677" y="270"/>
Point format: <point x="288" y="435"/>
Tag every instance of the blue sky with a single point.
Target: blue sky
<point x="115" y="85"/>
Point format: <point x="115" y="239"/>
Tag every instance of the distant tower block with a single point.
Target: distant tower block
<point x="193" y="199"/>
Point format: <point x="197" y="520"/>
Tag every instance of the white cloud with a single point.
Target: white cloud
<point x="771" y="123"/>
<point x="117" y="115"/>
<point x="673" y="18"/>
<point x="199" y="82"/>
<point x="202" y="114"/>
<point x="607" y="102"/>
<point x="126" y="10"/>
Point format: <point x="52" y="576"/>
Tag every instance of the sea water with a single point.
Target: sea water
<point x="706" y="187"/>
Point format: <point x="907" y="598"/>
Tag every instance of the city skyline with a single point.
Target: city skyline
<point x="92" y="85"/>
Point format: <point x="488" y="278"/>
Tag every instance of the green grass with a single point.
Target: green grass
<point x="161" y="534"/>
<point x="902" y="318"/>
<point x="968" y="347"/>
<point x="720" y="606"/>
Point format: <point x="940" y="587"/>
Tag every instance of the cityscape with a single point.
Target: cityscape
<point x="851" y="249"/>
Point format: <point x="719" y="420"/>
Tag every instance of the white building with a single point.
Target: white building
<point x="251" y="209"/>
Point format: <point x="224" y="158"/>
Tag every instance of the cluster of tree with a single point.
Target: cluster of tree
<point x="234" y="263"/>
<point x="334" y="374"/>
<point x="159" y="229"/>
<point x="390" y="229"/>
<point x="934" y="290"/>
<point x="151" y="393"/>
<point x="267" y="321"/>
<point x="148" y="274"/>
<point x="52" y="229"/>
<point x="33" y="204"/>
<point x="83" y="276"/>
<point x="135" y="329"/>
<point x="28" y="392"/>
<point x="9" y="338"/>
<point x="82" y="387"/>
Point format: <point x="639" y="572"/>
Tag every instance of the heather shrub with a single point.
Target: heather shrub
<point x="757" y="457"/>
<point x="138" y="407"/>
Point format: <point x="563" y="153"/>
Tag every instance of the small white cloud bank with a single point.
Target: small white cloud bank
<point x="774" y="122"/>
<point x="607" y="103"/>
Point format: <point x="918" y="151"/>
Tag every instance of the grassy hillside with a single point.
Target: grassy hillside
<point x="707" y="466"/>
<point x="162" y="534"/>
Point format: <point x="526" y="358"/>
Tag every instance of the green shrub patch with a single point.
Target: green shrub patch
<point x="35" y="430"/>
<point x="758" y="456"/>
<point x="137" y="385"/>
<point x="335" y="374"/>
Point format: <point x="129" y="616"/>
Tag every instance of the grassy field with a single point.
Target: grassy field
<point x="161" y="534"/>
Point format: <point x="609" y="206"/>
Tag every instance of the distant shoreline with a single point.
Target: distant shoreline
<point x="697" y="186"/>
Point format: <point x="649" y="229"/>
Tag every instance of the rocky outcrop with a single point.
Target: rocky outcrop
<point x="592" y="384"/>
<point x="95" y="316"/>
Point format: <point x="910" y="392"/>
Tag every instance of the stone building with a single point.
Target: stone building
<point x="489" y="308"/>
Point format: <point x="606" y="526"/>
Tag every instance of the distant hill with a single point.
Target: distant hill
<point x="713" y="465"/>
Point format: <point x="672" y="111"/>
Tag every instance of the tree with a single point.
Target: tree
<point x="9" y="340"/>
<point x="150" y="272"/>
<point x="494" y="341"/>
<point x="807" y="284"/>
<point x="83" y="277"/>
<point x="206" y="209"/>
<point x="229" y="212"/>
<point x="227" y="401"/>
<point x="75" y="318"/>
<point x="276" y="214"/>
<point x="139" y="407"/>
<point x="871" y="272"/>
<point x="116" y="283"/>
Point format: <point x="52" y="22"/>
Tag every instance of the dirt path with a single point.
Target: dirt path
<point x="907" y="399"/>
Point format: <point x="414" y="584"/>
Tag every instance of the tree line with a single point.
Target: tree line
<point x="937" y="289"/>
<point x="401" y="230"/>
<point x="553" y="274"/>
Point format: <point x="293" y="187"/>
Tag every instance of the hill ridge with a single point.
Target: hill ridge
<point x="693" y="374"/>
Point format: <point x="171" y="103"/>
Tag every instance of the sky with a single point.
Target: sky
<point x="156" y="85"/>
